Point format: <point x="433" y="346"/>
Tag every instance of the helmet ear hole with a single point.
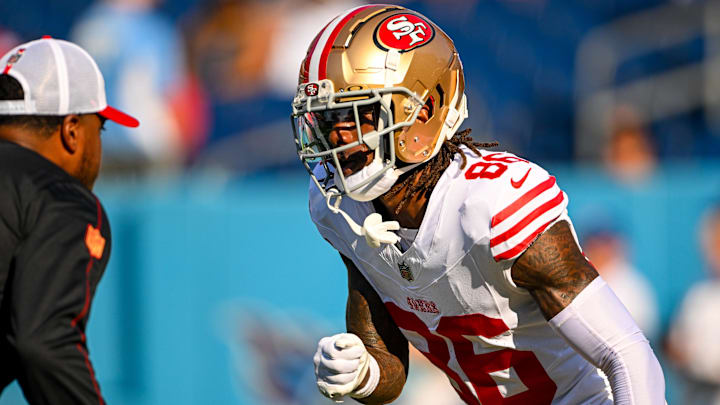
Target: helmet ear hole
<point x="386" y="140"/>
<point x="393" y="111"/>
<point x="427" y="110"/>
<point x="441" y="95"/>
<point x="430" y="104"/>
<point x="376" y="114"/>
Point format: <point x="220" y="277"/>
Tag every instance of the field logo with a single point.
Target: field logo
<point x="271" y="350"/>
<point x="403" y="32"/>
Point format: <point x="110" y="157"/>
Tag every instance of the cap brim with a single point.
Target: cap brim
<point x="120" y="117"/>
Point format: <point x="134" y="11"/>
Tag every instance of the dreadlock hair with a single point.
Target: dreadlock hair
<point x="430" y="172"/>
<point x="10" y="89"/>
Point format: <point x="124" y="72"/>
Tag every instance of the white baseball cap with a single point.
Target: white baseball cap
<point x="57" y="78"/>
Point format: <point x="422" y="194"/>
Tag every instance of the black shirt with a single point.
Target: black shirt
<point x="54" y="246"/>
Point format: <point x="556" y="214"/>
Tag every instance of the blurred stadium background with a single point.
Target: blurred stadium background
<point x="219" y="286"/>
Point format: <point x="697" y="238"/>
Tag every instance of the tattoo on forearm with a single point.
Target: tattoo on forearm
<point x="553" y="269"/>
<point x="367" y="317"/>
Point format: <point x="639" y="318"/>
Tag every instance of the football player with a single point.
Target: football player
<point x="466" y="253"/>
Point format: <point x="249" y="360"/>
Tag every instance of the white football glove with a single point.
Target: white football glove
<point x="376" y="231"/>
<point x="341" y="363"/>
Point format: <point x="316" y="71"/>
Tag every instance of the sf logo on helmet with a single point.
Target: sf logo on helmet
<point x="401" y="26"/>
<point x="312" y="89"/>
<point x="404" y="32"/>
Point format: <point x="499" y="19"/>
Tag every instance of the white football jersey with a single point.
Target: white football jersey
<point x="451" y="294"/>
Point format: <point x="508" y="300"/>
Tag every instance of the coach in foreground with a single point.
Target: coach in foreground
<point x="467" y="254"/>
<point x="54" y="234"/>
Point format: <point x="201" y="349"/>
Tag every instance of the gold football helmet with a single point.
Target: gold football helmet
<point x="393" y="60"/>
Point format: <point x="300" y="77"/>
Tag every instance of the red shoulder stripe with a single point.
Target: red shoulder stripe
<point x="559" y="198"/>
<point x="522" y="201"/>
<point x="522" y="245"/>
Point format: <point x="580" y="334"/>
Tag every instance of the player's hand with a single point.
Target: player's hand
<point x="341" y="363"/>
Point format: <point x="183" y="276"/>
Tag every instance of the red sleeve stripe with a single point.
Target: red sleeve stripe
<point x="99" y="213"/>
<point x="89" y="366"/>
<point x="86" y="306"/>
<point x="535" y="214"/>
<point x="522" y="201"/>
<point x="84" y="311"/>
<point x="520" y="247"/>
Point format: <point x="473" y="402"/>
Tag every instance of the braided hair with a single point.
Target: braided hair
<point x="431" y="171"/>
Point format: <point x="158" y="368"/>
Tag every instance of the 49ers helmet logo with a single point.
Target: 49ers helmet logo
<point x="403" y="32"/>
<point x="312" y="89"/>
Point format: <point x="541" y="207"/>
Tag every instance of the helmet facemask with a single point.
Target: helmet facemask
<point x="313" y="106"/>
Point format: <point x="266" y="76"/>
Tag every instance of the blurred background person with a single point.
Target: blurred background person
<point x="629" y="155"/>
<point x="8" y="40"/>
<point x="605" y="245"/>
<point x="142" y="55"/>
<point x="246" y="53"/>
<point x="693" y="340"/>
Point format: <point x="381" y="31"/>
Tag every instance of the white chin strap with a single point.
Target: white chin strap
<point x="374" y="229"/>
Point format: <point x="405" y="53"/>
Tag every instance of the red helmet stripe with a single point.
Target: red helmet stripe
<point x="318" y="59"/>
<point x="311" y="50"/>
<point x="322" y="73"/>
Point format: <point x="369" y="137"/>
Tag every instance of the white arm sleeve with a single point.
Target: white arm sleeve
<point x="597" y="325"/>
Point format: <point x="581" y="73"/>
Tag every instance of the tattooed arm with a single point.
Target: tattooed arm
<point x="582" y="309"/>
<point x="553" y="269"/>
<point x="367" y="318"/>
